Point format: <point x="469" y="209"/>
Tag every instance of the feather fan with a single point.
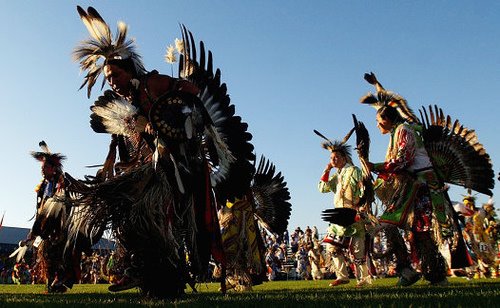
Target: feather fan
<point x="113" y="115"/>
<point x="456" y="154"/>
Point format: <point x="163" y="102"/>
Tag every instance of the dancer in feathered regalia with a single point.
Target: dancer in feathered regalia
<point x="53" y="207"/>
<point x="48" y="234"/>
<point x="266" y="204"/>
<point x="179" y="141"/>
<point x="479" y="222"/>
<point x="346" y="233"/>
<point x="421" y="157"/>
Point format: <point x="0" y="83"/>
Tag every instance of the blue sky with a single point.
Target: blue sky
<point x="290" y="67"/>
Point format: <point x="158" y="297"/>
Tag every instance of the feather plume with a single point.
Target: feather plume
<point x="371" y="100"/>
<point x="44" y="147"/>
<point x="388" y="98"/>
<point x="46" y="156"/>
<point x="337" y="146"/>
<point x="93" y="52"/>
<point x="395" y="100"/>
<point x="19" y="253"/>
<point x="170" y="55"/>
<point x="348" y="135"/>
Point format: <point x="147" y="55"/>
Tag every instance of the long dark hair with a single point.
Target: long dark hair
<point x="390" y="113"/>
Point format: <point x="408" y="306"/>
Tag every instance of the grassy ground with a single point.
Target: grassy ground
<point x="383" y="293"/>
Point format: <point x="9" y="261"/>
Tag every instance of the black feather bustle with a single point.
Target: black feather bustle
<point x="455" y="152"/>
<point x="221" y="112"/>
<point x="271" y="196"/>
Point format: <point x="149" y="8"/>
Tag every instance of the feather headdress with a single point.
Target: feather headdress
<point x="54" y="159"/>
<point x="337" y="146"/>
<point x="387" y="98"/>
<point x="101" y="46"/>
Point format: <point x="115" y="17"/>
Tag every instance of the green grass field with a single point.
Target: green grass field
<point x="383" y="293"/>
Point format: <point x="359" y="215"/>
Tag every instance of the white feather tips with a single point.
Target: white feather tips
<point x="118" y="117"/>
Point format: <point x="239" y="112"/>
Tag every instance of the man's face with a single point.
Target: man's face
<point x="118" y="79"/>
<point x="337" y="160"/>
<point x="48" y="170"/>
<point x="383" y="125"/>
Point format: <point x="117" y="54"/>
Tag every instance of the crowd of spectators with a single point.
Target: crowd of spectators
<point x="96" y="268"/>
<point x="300" y="255"/>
